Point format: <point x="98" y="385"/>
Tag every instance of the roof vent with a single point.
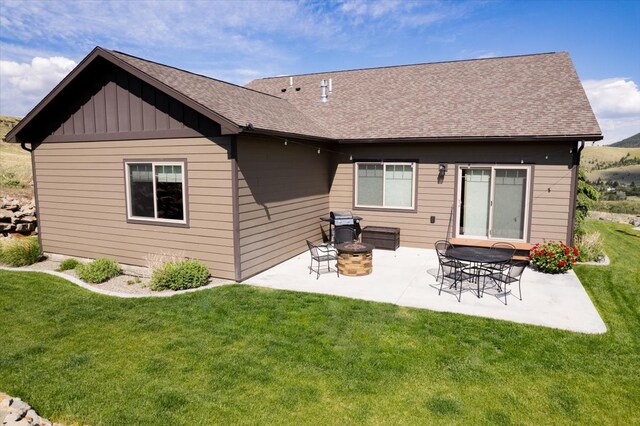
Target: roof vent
<point x="323" y="90"/>
<point x="290" y="81"/>
<point x="330" y="86"/>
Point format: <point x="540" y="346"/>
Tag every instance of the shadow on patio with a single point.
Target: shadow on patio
<point x="406" y="277"/>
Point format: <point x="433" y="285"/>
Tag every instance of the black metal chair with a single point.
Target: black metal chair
<point x="511" y="275"/>
<point x="506" y="248"/>
<point x="319" y="254"/>
<point x="449" y="268"/>
<point x="441" y="249"/>
<point x="344" y="234"/>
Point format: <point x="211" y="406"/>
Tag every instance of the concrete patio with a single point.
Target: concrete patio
<point x="406" y="277"/>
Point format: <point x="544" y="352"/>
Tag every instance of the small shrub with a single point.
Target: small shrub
<point x="591" y="247"/>
<point x="179" y="275"/>
<point x="20" y="251"/>
<point x="68" y="264"/>
<point x="9" y="180"/>
<point x="553" y="257"/>
<point x="98" y="271"/>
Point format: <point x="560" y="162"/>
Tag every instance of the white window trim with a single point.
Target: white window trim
<point x="527" y="202"/>
<point x="384" y="184"/>
<point x="155" y="219"/>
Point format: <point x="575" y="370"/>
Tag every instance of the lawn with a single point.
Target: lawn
<point x="238" y="354"/>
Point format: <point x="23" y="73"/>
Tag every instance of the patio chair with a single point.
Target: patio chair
<point x="509" y="276"/>
<point x="344" y="234"/>
<point x="449" y="268"/>
<point x="507" y="248"/>
<point x="319" y="254"/>
<point x="441" y="249"/>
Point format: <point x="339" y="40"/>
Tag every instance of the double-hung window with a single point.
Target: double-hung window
<point x="385" y="185"/>
<point x="156" y="191"/>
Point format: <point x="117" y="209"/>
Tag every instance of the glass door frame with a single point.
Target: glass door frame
<point x="493" y="167"/>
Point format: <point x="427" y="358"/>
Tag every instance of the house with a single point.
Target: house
<point x="132" y="157"/>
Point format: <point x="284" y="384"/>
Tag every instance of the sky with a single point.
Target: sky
<point x="237" y="41"/>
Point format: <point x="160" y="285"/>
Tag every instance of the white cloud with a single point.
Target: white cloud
<point x="616" y="104"/>
<point x="22" y="85"/>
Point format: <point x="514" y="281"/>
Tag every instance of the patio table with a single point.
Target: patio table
<point x="479" y="258"/>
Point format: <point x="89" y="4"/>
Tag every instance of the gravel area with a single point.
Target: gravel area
<point x="133" y="281"/>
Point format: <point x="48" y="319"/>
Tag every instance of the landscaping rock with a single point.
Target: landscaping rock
<point x="25" y="227"/>
<point x="14" y="411"/>
<point x="12" y="212"/>
<point x="6" y="216"/>
<point x="7" y="227"/>
<point x="26" y="219"/>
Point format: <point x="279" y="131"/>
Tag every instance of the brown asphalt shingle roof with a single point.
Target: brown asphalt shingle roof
<point x="521" y="96"/>
<point x="235" y="103"/>
<point x="518" y="97"/>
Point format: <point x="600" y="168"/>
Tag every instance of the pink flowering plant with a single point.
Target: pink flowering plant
<point x="553" y="257"/>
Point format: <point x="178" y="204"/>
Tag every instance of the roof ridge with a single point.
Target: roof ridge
<point x="192" y="73"/>
<point x="409" y="65"/>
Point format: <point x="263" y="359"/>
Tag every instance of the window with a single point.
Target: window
<point x="385" y="185"/>
<point x="493" y="202"/>
<point x="156" y="191"/>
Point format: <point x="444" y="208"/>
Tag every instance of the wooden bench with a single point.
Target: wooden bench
<point x="522" y="248"/>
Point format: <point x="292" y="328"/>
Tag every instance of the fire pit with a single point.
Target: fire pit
<point x="355" y="259"/>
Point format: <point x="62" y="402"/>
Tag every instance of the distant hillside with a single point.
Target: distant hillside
<point x="605" y="157"/>
<point x="631" y="141"/>
<point x="7" y="123"/>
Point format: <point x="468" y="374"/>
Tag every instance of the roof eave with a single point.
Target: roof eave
<point x="283" y="134"/>
<point x="518" y="138"/>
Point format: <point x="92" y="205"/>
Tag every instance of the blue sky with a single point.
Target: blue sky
<point x="41" y="41"/>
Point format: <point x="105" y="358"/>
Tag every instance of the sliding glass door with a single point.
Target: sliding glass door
<point x="493" y="202"/>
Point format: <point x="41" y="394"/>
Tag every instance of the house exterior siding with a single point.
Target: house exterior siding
<point x="282" y="192"/>
<point x="82" y="205"/>
<point x="550" y="193"/>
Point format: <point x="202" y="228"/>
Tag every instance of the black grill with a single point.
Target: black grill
<point x="346" y="227"/>
<point x="341" y="218"/>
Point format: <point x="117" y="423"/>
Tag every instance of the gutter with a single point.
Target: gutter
<point x="24" y="146"/>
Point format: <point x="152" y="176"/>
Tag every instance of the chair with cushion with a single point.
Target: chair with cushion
<point x="511" y="275"/>
<point x="319" y="254"/>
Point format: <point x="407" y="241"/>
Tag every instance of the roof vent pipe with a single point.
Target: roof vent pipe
<point x="290" y="81"/>
<point x="323" y="90"/>
<point x="330" y="85"/>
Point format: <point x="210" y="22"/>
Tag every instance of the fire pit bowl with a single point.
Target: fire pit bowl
<point x="355" y="259"/>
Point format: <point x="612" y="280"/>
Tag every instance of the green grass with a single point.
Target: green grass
<point x="238" y="354"/>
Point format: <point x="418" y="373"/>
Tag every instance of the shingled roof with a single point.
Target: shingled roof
<point x="512" y="97"/>
<point x="515" y="98"/>
<point x="238" y="104"/>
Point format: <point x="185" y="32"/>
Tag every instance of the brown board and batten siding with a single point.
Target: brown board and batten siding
<point x="283" y="190"/>
<point x="81" y="195"/>
<point x="550" y="193"/>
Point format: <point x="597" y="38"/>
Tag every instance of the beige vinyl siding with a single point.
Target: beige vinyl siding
<point x="433" y="199"/>
<point x="549" y="210"/>
<point x="283" y="191"/>
<point x="551" y="203"/>
<point x="81" y="196"/>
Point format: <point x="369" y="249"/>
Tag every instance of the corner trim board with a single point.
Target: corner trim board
<point x="235" y="209"/>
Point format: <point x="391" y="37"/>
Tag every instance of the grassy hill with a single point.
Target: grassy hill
<point x="598" y="157"/>
<point x="623" y="175"/>
<point x="15" y="164"/>
<point x="631" y="141"/>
